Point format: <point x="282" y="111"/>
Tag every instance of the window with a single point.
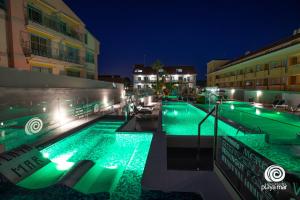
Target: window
<point x="89" y="57"/>
<point x="139" y="78"/>
<point x="72" y="54"/>
<point x="41" y="69"/>
<point x="40" y="46"/>
<point x="139" y="86"/>
<point x="62" y="27"/>
<point x="179" y="70"/>
<point x="2" y="4"/>
<point x="35" y="15"/>
<point x="90" y="76"/>
<point x="161" y="70"/>
<point x="73" y="73"/>
<point x="85" y="38"/>
<point x="146" y="78"/>
<point x="180" y="78"/>
<point x="275" y="64"/>
<point x="188" y="79"/>
<point x="138" y="70"/>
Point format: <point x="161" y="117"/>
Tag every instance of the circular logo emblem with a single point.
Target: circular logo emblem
<point x="33" y="126"/>
<point x="274" y="173"/>
<point x="96" y="108"/>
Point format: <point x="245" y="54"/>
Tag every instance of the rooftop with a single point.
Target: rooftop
<point x="181" y="69"/>
<point x="281" y="44"/>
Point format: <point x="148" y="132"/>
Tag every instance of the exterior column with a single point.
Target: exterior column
<point x="15" y="28"/>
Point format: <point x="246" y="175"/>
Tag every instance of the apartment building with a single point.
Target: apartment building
<point x="46" y="36"/>
<point x="275" y="67"/>
<point x="145" y="77"/>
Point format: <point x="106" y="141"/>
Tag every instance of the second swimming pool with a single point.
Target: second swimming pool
<point x="119" y="161"/>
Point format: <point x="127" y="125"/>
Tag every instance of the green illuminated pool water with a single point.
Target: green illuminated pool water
<point x="120" y="159"/>
<point x="179" y="118"/>
<point x="278" y="124"/>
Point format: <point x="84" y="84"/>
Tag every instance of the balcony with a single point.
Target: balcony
<point x="250" y="76"/>
<point x="262" y="74"/>
<point x="277" y="72"/>
<point x="53" y="23"/>
<point x="294" y="87"/>
<point x="231" y="78"/>
<point x="294" y="69"/>
<point x="31" y="48"/>
<point x="240" y="77"/>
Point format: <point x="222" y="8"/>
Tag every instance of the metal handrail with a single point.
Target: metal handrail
<point x="216" y="108"/>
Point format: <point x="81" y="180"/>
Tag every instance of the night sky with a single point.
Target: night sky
<point x="183" y="32"/>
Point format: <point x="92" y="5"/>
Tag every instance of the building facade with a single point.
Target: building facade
<point x="46" y="36"/>
<point x="145" y="77"/>
<point x="275" y="67"/>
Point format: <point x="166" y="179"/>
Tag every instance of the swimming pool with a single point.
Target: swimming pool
<point x="179" y="118"/>
<point x="119" y="161"/>
<point x="282" y="127"/>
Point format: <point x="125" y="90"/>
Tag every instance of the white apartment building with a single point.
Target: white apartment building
<point x="145" y="77"/>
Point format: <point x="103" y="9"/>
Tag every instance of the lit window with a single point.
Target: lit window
<point x="161" y="70"/>
<point x="179" y="70"/>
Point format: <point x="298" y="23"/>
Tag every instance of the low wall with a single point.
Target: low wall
<point x="33" y="104"/>
<point x="27" y="114"/>
<point x="263" y="96"/>
<point x="26" y="79"/>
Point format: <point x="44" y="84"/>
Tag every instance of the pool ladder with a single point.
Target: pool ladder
<point x="215" y="109"/>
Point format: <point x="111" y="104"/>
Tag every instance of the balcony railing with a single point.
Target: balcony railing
<point x="32" y="48"/>
<point x="55" y="24"/>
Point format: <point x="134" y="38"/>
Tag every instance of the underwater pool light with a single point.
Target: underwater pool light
<point x="231" y="107"/>
<point x="257" y="111"/>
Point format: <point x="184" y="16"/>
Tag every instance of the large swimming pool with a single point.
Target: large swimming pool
<point x="281" y="146"/>
<point x="119" y="161"/>
<point x="282" y="127"/>
<point x="179" y="118"/>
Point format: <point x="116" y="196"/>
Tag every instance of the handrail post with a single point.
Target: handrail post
<point x="216" y="131"/>
<point x="199" y="133"/>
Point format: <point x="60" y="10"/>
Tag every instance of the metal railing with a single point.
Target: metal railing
<point x="54" y="23"/>
<point x="215" y="109"/>
<point x="48" y="51"/>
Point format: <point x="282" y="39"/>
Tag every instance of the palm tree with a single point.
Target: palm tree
<point x="156" y="66"/>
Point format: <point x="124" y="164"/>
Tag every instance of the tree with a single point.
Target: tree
<point x="156" y="66"/>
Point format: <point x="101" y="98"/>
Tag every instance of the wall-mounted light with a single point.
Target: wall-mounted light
<point x="105" y="101"/>
<point x="258" y="93"/>
<point x="60" y="115"/>
<point x="232" y="91"/>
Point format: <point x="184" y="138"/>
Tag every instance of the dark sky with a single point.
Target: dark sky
<point x="183" y="32"/>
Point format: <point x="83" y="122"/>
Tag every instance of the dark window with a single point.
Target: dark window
<point x="41" y="69"/>
<point x="40" y="46"/>
<point x="89" y="57"/>
<point x="62" y="27"/>
<point x="90" y="76"/>
<point x="85" y="38"/>
<point x="73" y="73"/>
<point x="2" y="4"/>
<point x="35" y="15"/>
<point x="72" y="54"/>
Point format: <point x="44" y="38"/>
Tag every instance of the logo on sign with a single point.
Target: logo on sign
<point x="274" y="173"/>
<point x="33" y="126"/>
